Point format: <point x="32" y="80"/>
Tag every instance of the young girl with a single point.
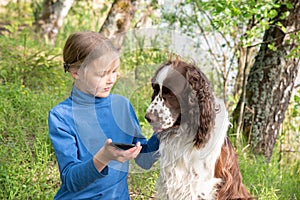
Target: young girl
<point x="83" y="126"/>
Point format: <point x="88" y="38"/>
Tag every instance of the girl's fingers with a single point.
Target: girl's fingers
<point x="108" y="141"/>
<point x="123" y="155"/>
<point x="137" y="151"/>
<point x="131" y="153"/>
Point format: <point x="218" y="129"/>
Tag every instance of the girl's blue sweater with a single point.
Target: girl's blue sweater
<point x="78" y="128"/>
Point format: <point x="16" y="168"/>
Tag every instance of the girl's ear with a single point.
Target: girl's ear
<point x="74" y="73"/>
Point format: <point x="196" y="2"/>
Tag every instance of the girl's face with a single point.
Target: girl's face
<point x="98" y="77"/>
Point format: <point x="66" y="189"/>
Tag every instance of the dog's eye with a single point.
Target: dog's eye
<point x="166" y="90"/>
<point x="155" y="89"/>
<point x="155" y="86"/>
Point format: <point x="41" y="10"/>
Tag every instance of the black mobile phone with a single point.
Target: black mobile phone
<point x="122" y="145"/>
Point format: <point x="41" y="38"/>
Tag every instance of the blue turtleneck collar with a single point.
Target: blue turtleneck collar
<point x="82" y="98"/>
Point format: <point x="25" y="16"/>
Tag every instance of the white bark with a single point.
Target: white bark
<point x="118" y="21"/>
<point x="52" y="17"/>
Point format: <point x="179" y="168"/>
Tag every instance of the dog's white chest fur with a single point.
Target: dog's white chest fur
<point x="186" y="172"/>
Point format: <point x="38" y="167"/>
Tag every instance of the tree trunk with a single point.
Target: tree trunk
<point x="53" y="14"/>
<point x="245" y="61"/>
<point x="270" y="83"/>
<point x="119" y="20"/>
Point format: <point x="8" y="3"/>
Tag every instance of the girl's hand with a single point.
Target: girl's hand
<point x="109" y="152"/>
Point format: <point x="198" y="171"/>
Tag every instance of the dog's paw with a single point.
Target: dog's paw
<point x="207" y="190"/>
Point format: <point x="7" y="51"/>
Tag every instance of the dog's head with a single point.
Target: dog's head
<point x="182" y="96"/>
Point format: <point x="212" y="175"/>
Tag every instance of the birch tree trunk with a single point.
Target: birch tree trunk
<point x="270" y="82"/>
<point x="245" y="61"/>
<point x="51" y="20"/>
<point x="119" y="20"/>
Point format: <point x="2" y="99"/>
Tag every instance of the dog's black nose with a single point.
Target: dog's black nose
<point x="150" y="117"/>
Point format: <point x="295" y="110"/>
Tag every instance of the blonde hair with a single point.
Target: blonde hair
<point x="83" y="47"/>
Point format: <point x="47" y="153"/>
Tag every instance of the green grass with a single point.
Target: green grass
<point x="274" y="180"/>
<point x="28" y="168"/>
<point x="32" y="81"/>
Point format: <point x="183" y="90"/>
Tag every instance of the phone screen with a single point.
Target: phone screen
<point x="122" y="145"/>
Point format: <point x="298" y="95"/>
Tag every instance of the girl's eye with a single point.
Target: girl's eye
<point x="102" y="74"/>
<point x="115" y="71"/>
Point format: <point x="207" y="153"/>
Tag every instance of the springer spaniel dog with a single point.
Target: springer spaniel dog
<point x="197" y="159"/>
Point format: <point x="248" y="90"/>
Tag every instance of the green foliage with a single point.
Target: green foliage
<point x="295" y="51"/>
<point x="16" y="11"/>
<point x="243" y="21"/>
<point x="28" y="61"/>
<point x="296" y="105"/>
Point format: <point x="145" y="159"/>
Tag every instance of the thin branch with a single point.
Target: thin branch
<point x="242" y="107"/>
<point x="211" y="23"/>
<point x="209" y="47"/>
<point x="275" y="39"/>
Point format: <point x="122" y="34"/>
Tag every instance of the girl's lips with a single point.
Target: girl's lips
<point x="107" y="89"/>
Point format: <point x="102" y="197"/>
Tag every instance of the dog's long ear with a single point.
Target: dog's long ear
<point x="206" y="117"/>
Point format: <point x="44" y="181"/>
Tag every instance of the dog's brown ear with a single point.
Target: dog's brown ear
<point x="202" y="89"/>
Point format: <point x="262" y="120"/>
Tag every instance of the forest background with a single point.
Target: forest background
<point x="248" y="49"/>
